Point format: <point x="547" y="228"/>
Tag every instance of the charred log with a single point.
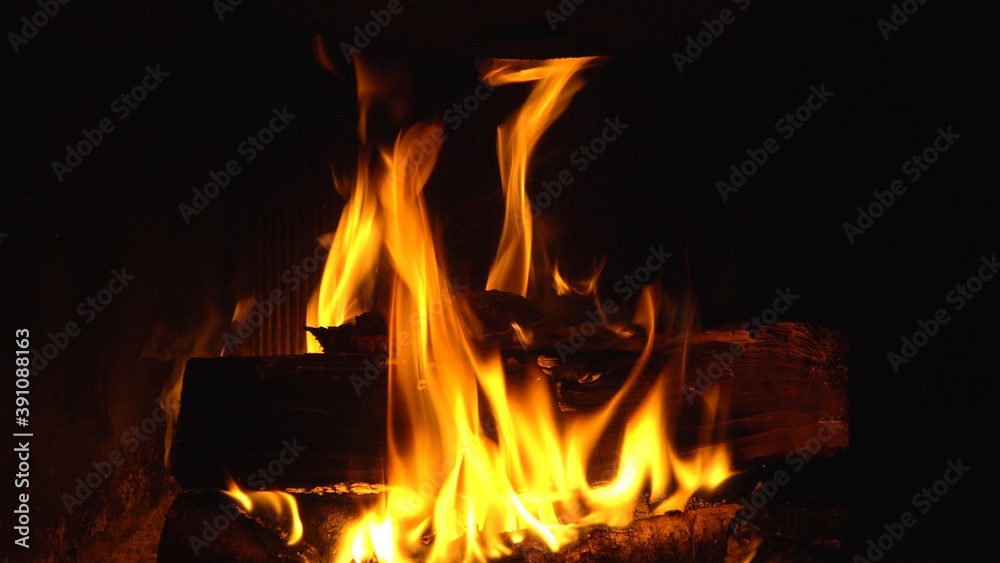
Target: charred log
<point x="207" y="525"/>
<point x="327" y="411"/>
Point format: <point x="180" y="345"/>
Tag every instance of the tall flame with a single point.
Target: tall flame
<point x="556" y="82"/>
<point x="458" y="491"/>
<point x="348" y="284"/>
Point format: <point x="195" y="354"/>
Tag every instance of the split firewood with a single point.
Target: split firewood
<point x="368" y="332"/>
<point x="238" y="413"/>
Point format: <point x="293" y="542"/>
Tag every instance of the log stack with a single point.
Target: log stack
<point x="238" y="414"/>
<point x="327" y="414"/>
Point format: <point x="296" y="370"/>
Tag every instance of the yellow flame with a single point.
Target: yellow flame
<point x="348" y="283"/>
<point x="279" y="504"/>
<point x="449" y="479"/>
<point x="556" y="84"/>
<point x="524" y="335"/>
<point x="583" y="287"/>
<point x="457" y="491"/>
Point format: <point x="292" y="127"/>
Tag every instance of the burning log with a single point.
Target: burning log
<point x="780" y="387"/>
<point x="208" y="526"/>
<point x="369" y="332"/>
<point x="698" y="535"/>
<point x="318" y="419"/>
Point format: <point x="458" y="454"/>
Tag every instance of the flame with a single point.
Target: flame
<point x="167" y="345"/>
<point x="242" y="310"/>
<point x="322" y="56"/>
<point x="561" y="286"/>
<point x="279" y="504"/>
<point x="348" y="283"/>
<point x="448" y="478"/>
<point x="582" y="287"/>
<point x="556" y="84"/>
<point x="747" y="549"/>
<point x="458" y="492"/>
<point x="523" y="335"/>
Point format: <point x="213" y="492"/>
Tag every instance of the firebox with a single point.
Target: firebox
<point x="393" y="281"/>
<point x="494" y="351"/>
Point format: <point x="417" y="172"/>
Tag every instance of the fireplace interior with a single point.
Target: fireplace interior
<point x="770" y="328"/>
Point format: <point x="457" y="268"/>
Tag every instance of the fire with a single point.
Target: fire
<point x="458" y="492"/>
<point x="556" y="82"/>
<point x="348" y="284"/>
<point x="582" y="287"/>
<point x="524" y="335"/>
<point x="167" y="345"/>
<point x="277" y="504"/>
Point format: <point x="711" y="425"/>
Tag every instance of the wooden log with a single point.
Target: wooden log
<point x="368" y="332"/>
<point x="702" y="535"/>
<point x="207" y="525"/>
<point x="778" y="390"/>
<point x="241" y="416"/>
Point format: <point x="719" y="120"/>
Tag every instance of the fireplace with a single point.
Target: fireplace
<point x="674" y="254"/>
<point x="420" y="370"/>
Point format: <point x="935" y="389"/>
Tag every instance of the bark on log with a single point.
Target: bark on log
<point x="701" y="535"/>
<point x="239" y="414"/>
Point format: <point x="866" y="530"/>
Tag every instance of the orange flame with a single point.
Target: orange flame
<point x="449" y="479"/>
<point x="348" y="283"/>
<point x="277" y="503"/>
<point x="477" y="493"/>
<point x="556" y="84"/>
<point x="322" y="56"/>
<point x="523" y="335"/>
<point x="179" y="348"/>
<point x="582" y="287"/>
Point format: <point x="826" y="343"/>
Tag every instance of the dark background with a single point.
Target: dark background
<point x="654" y="186"/>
